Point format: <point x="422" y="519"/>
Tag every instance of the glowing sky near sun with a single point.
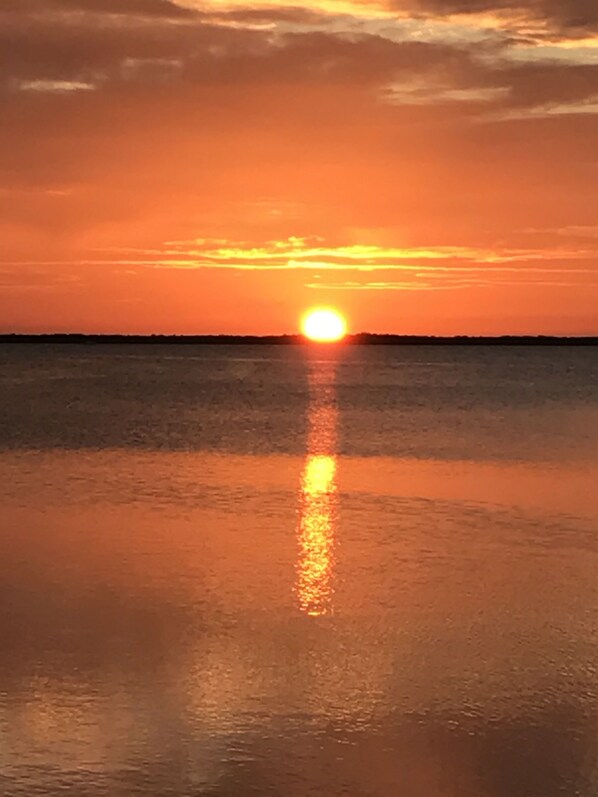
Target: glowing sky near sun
<point x="424" y="166"/>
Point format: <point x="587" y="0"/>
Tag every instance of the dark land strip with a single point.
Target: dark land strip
<point x="362" y="338"/>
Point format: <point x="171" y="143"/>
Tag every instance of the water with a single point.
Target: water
<point x="298" y="571"/>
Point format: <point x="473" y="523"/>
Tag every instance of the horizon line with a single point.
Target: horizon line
<point x="359" y="338"/>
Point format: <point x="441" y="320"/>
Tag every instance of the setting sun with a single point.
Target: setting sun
<point x="324" y="325"/>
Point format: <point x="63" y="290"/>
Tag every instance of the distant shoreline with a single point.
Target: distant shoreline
<point x="362" y="338"/>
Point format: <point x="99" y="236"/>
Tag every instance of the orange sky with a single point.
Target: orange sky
<point x="426" y="166"/>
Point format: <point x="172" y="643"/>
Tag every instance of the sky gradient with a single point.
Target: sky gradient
<point x="175" y="166"/>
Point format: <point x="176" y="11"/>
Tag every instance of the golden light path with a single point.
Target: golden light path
<point x="324" y="325"/>
<point x="318" y="495"/>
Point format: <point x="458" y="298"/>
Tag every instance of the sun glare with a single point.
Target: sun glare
<point x="324" y="325"/>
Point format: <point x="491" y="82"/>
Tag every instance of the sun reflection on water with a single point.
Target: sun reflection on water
<point x="318" y="495"/>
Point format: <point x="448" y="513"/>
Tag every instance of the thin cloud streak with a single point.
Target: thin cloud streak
<point x="449" y="284"/>
<point x="299" y="253"/>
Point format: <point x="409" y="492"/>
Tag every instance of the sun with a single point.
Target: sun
<point x="323" y="325"/>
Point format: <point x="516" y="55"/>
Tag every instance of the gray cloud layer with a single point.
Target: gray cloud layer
<point x="48" y="50"/>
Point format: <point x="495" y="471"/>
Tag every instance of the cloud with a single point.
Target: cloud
<point x="577" y="231"/>
<point x="314" y="254"/>
<point x="53" y="86"/>
<point x="298" y="252"/>
<point x="144" y="8"/>
<point x="449" y="283"/>
<point x="394" y="63"/>
<point x="556" y="17"/>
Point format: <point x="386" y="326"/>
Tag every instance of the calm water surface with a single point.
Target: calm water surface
<point x="298" y="572"/>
